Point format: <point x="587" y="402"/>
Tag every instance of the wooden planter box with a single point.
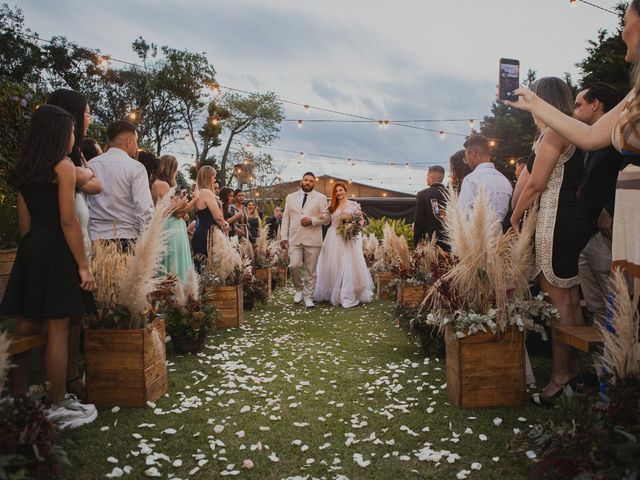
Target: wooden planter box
<point x="126" y="368"/>
<point x="283" y="275"/>
<point x="7" y="257"/>
<point x="229" y="302"/>
<point x="486" y="370"/>
<point x="382" y="280"/>
<point x="411" y="295"/>
<point x="264" y="275"/>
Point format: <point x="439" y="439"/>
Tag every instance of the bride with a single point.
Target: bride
<point x="343" y="277"/>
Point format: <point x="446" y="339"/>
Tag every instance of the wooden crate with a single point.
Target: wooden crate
<point x="126" y="368"/>
<point x="411" y="295"/>
<point x="7" y="257"/>
<point x="283" y="275"/>
<point x="228" y="301"/>
<point x="382" y="280"/>
<point x="486" y="370"/>
<point x="264" y="275"/>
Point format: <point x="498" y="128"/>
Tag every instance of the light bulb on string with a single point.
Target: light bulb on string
<point x="442" y="135"/>
<point x="406" y="165"/>
<point x="215" y="87"/>
<point x="214" y="120"/>
<point x="300" y="122"/>
<point x="471" y="123"/>
<point x="492" y="143"/>
<point x="307" y="107"/>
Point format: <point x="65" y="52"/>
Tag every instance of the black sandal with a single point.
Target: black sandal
<point x="547" y="402"/>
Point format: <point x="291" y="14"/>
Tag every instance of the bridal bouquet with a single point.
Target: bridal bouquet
<point x="350" y="225"/>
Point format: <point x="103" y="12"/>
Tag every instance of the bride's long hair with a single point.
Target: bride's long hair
<point x="333" y="205"/>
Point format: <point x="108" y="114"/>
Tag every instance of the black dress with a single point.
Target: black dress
<point x="563" y="227"/>
<point x="204" y="222"/>
<point x="44" y="281"/>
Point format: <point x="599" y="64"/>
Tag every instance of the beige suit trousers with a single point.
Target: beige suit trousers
<point x="304" y="256"/>
<point x="594" y="268"/>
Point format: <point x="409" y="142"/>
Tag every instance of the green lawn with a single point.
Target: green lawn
<point x="323" y="393"/>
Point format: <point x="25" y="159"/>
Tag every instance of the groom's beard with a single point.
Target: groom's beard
<point x="306" y="188"/>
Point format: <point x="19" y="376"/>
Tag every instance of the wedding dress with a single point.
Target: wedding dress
<point x="343" y="277"/>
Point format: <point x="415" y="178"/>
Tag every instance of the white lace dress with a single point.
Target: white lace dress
<point x="343" y="276"/>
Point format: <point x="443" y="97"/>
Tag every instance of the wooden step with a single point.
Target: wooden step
<point x="585" y="339"/>
<point x="24" y="343"/>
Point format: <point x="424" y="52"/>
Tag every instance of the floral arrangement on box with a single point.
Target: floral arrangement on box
<point x="181" y="306"/>
<point x="393" y="254"/>
<point x="224" y="264"/>
<point x="425" y="261"/>
<point x="597" y="437"/>
<point x="126" y="280"/>
<point x="280" y="255"/>
<point x="486" y="287"/>
<point x="264" y="254"/>
<point x="27" y="436"/>
<point x="370" y="249"/>
<point x="350" y="225"/>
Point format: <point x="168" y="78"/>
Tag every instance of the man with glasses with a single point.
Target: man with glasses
<point x="497" y="188"/>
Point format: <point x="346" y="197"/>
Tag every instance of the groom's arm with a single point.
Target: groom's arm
<point x="324" y="217"/>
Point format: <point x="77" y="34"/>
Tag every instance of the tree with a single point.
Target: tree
<point x="512" y="132"/>
<point x="605" y="59"/>
<point x="255" y="116"/>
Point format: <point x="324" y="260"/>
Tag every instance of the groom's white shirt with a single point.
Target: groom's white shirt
<point x="315" y="207"/>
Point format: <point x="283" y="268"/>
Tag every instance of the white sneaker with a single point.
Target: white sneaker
<point x="309" y="303"/>
<point x="71" y="413"/>
<point x="297" y="298"/>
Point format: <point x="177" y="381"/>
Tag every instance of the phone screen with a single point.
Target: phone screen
<point x="508" y="79"/>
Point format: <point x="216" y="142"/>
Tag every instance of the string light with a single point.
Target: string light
<point x="300" y="122"/>
<point x="215" y="120"/>
<point x="574" y="3"/>
<point x="492" y="143"/>
<point x="442" y="135"/>
<point x="134" y="116"/>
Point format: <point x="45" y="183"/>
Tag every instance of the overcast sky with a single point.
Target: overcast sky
<point x="428" y="59"/>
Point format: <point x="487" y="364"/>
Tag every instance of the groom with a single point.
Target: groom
<point x="305" y="211"/>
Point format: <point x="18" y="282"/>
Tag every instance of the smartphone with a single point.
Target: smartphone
<point x="508" y="78"/>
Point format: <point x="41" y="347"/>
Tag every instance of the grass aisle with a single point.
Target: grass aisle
<point x="323" y="393"/>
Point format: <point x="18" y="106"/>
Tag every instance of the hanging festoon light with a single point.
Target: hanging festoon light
<point x="472" y="122"/>
<point x="134" y="116"/>
<point x="307" y="107"/>
<point x="442" y="135"/>
<point x="103" y="62"/>
<point x="299" y="122"/>
<point x="215" y="87"/>
<point x="214" y="120"/>
<point x="492" y="143"/>
<point x="383" y="123"/>
<point x="512" y="161"/>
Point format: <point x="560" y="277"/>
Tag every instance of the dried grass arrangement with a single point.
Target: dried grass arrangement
<point x="487" y="284"/>
<point x="370" y="249"/>
<point x="126" y="281"/>
<point x="395" y="255"/>
<point x="620" y="355"/>
<point x="5" y="363"/>
<point x="263" y="253"/>
<point x="224" y="263"/>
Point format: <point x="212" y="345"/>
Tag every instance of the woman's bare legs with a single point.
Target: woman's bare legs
<point x="565" y="361"/>
<point x="56" y="358"/>
<point x="19" y="374"/>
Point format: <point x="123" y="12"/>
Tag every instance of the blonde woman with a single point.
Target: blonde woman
<point x="177" y="258"/>
<point x="619" y="127"/>
<point x="254" y="222"/>
<point x="208" y="213"/>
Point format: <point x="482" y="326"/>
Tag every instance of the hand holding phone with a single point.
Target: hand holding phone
<point x="508" y="79"/>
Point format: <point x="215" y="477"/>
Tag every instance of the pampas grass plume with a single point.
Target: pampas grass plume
<point x="141" y="278"/>
<point x="621" y="350"/>
<point x="5" y="363"/>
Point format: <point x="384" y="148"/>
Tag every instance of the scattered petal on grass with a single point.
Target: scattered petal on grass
<point x="177" y="463"/>
<point x="112" y="460"/>
<point x="483" y="437"/>
<point x="240" y="434"/>
<point x="497" y="421"/>
<point x="531" y="454"/>
<point x="218" y="429"/>
<point x="170" y="431"/>
<point x="462" y="474"/>
<point x="273" y="457"/>
<point x="115" y="409"/>
<point x="247" y="464"/>
<point x="152" y="472"/>
<point x="496" y="459"/>
<point x="476" y="466"/>
<point x="115" y="473"/>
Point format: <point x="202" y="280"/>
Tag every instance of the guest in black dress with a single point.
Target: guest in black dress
<point x="51" y="279"/>
<point x="562" y="230"/>
<point x="253" y="221"/>
<point x="208" y="214"/>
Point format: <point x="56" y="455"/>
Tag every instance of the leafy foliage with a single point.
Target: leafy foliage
<point x="399" y="225"/>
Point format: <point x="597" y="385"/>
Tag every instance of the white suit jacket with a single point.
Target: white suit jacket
<point x="315" y="207"/>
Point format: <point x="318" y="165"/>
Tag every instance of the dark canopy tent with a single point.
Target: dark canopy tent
<point x="390" y="207"/>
